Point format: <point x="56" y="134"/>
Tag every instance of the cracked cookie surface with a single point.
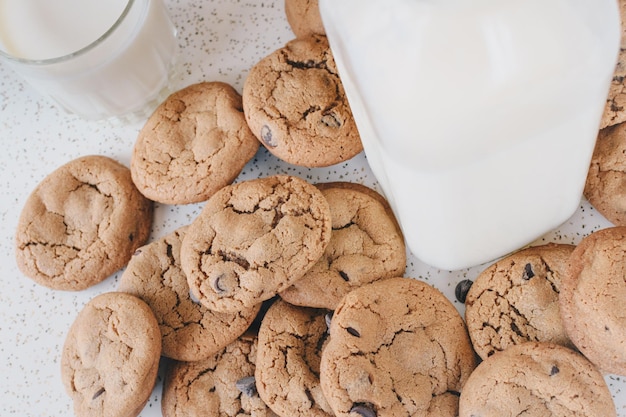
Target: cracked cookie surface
<point x="222" y="385"/>
<point x="516" y="299"/>
<point x="190" y="331"/>
<point x="291" y="340"/>
<point x="81" y="224"/>
<point x="304" y="17"/>
<point x="195" y="142"/>
<point x="366" y="245"/>
<point x="592" y="299"/>
<point x="536" y="379"/>
<point x="254" y="239"/>
<point x="296" y="106"/>
<point x="605" y="187"/>
<point x="397" y="347"/>
<point x="111" y="355"/>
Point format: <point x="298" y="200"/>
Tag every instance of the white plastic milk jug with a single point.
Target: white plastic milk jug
<point x="478" y="117"/>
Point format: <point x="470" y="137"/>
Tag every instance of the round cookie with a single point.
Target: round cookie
<point x="592" y="299"/>
<point x="536" y="379"/>
<point x="295" y="104"/>
<point x="605" y="187"/>
<point x="222" y="385"/>
<point x="290" y="383"/>
<point x="366" y="244"/>
<point x="195" y="142"/>
<point x="396" y="347"/>
<point x="516" y="299"/>
<point x="615" y="108"/>
<point x="81" y="224"/>
<point x="190" y="331"/>
<point x="304" y="17"/>
<point x="254" y="239"/>
<point x="111" y="355"/>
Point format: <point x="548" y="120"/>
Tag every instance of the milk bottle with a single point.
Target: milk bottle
<point x="96" y="58"/>
<point x="478" y="117"/>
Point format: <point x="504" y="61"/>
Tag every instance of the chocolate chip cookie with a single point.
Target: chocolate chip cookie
<point x="615" y="108"/>
<point x="195" y="142"/>
<point x="295" y="105"/>
<point x="81" y="224"/>
<point x="516" y="299"/>
<point x="592" y="298"/>
<point x="222" y="385"/>
<point x="536" y="379"/>
<point x="397" y="347"/>
<point x="254" y="239"/>
<point x="111" y="355"/>
<point x="190" y="331"/>
<point x="304" y="17"/>
<point x="290" y="383"/>
<point x="366" y="245"/>
<point x="605" y="187"/>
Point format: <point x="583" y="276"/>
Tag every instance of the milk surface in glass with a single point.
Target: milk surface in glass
<point x="36" y="29"/>
<point x="96" y="58"/>
<point x="478" y="117"/>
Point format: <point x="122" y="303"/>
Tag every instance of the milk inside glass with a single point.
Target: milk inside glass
<point x="98" y="59"/>
<point x="478" y="118"/>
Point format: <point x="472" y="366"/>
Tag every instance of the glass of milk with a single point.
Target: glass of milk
<point x="478" y="117"/>
<point x="96" y="58"/>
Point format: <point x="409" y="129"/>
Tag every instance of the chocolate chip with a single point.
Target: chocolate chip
<point x="268" y="137"/>
<point x="354" y="332"/>
<point x="331" y="120"/>
<point x="461" y="290"/>
<point x="98" y="393"/>
<point x="364" y="410"/>
<point x="528" y="272"/>
<point x="555" y="370"/>
<point x="219" y="284"/>
<point x="247" y="386"/>
<point x="344" y="276"/>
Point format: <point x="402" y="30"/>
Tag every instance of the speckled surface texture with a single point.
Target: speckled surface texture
<point x="220" y="40"/>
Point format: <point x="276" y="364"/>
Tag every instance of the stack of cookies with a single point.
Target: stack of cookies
<point x="548" y="323"/>
<point x="287" y="298"/>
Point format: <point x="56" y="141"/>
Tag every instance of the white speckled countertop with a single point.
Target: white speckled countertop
<point x="219" y="40"/>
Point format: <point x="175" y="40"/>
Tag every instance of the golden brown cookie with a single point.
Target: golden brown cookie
<point x="81" y="224"/>
<point x="110" y="358"/>
<point x="516" y="299"/>
<point x="605" y="187"/>
<point x="195" y="142"/>
<point x="366" y="245"/>
<point x="254" y="239"/>
<point x="536" y="379"/>
<point x="615" y="108"/>
<point x="295" y="104"/>
<point x="304" y="17"/>
<point x="397" y="347"/>
<point x="290" y="383"/>
<point x="222" y="385"/>
<point x="592" y="297"/>
<point x="190" y="331"/>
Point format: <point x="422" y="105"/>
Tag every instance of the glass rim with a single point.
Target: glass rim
<point x="81" y="51"/>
